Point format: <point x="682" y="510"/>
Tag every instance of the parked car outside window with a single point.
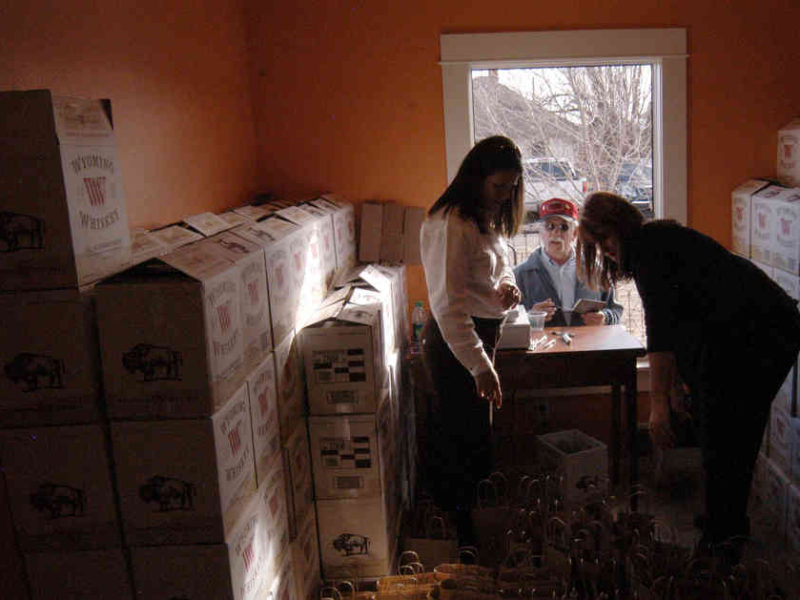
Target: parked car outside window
<point x="635" y="182"/>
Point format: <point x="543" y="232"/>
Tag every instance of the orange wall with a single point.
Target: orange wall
<point x="348" y="94"/>
<point x="176" y="73"/>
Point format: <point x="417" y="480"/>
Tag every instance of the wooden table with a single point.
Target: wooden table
<point x="597" y="356"/>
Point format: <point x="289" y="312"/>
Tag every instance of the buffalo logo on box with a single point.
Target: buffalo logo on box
<point x="20" y="232"/>
<point x="351" y="543"/>
<point x="169" y="493"/>
<point x="153" y="362"/>
<point x="59" y="500"/>
<point x="35" y="371"/>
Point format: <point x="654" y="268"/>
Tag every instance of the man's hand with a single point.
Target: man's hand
<point x="509" y="295"/>
<point x="488" y="386"/>
<point x="547" y="306"/>
<point x="594" y="318"/>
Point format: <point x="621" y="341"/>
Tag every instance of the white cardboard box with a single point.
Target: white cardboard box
<point x="297" y="467"/>
<point x="50" y="359"/>
<point x="349" y="451"/>
<point x="63" y="221"/>
<point x="96" y="574"/>
<point x="59" y="488"/>
<point x="381" y="282"/>
<point x="171" y="336"/>
<point x="185" y="481"/>
<point x="175" y="236"/>
<point x="344" y="229"/>
<point x="324" y="224"/>
<point x="786" y="244"/>
<point x="516" y="330"/>
<point x="740" y="215"/>
<point x="762" y="227"/>
<point x="343" y="359"/>
<point x="305" y="558"/>
<point x="399" y="283"/>
<point x="580" y="459"/>
<point x="264" y="416"/>
<point x="789" y="153"/>
<point x="291" y="391"/>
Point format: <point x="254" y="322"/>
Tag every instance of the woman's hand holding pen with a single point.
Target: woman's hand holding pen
<point x="509" y="295"/>
<point x="488" y="387"/>
<point x="547" y="306"/>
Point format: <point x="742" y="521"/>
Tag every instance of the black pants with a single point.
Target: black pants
<point x="459" y="448"/>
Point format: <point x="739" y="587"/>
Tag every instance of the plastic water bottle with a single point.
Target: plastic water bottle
<point x="418" y="317"/>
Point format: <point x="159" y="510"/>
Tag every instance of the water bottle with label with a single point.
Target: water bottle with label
<point x="418" y="317"/>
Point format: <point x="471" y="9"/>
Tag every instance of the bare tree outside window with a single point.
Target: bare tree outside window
<point x="580" y="129"/>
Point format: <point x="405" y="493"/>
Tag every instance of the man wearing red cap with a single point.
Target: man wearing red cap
<point x="548" y="279"/>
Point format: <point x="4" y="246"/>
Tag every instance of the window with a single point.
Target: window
<point x="589" y="109"/>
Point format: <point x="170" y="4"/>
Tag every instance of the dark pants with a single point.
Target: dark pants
<point x="732" y="403"/>
<point x="459" y="449"/>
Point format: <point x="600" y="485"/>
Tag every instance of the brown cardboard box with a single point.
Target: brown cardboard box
<point x="171" y="336"/>
<point x="98" y="574"/>
<point x="369" y="244"/>
<point x="50" y="359"/>
<point x="185" y="481"/>
<point x="392" y="234"/>
<point x="263" y="395"/>
<point x="63" y="221"/>
<point x="59" y="488"/>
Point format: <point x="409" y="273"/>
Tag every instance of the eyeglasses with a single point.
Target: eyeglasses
<point x="563" y="227"/>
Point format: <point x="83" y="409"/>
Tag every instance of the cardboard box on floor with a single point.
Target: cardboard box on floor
<point x="63" y="221"/>
<point x="343" y="359"/>
<point x="580" y="459"/>
<point x="59" y="488"/>
<point x="50" y="359"/>
<point x="185" y="481"/>
<point x="291" y="392"/>
<point x="96" y="574"/>
<point x="297" y="468"/>
<point x="305" y="558"/>
<point x="741" y="215"/>
<point x="171" y="336"/>
<point x="789" y="153"/>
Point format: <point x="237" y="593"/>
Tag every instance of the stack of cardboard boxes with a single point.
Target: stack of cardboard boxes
<point x="766" y="229"/>
<point x="358" y="423"/>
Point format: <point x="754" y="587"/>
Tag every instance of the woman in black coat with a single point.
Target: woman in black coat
<point x="715" y="320"/>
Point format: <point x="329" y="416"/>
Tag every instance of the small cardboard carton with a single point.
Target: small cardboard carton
<point x="97" y="574"/>
<point x="185" y="481"/>
<point x="63" y="221"/>
<point x="347" y="452"/>
<point x="263" y="395"/>
<point x="392" y="234"/>
<point x="297" y="466"/>
<point x="357" y="537"/>
<point x="740" y="217"/>
<point x="305" y="558"/>
<point x="789" y="153"/>
<point x="171" y="335"/>
<point x="291" y="392"/>
<point x="254" y="300"/>
<point x="49" y="359"/>
<point x="343" y="359"/>
<point x="516" y="330"/>
<point x="239" y="569"/>
<point x="580" y="459"/>
<point x="59" y="488"/>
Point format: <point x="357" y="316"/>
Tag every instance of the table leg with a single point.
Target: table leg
<point x="616" y="442"/>
<point x="633" y="434"/>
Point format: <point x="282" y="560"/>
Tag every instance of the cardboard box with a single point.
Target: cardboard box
<point x="185" y="481"/>
<point x="343" y="359"/>
<point x="291" y="392"/>
<point x="236" y="570"/>
<point x="171" y="336"/>
<point x="786" y="244"/>
<point x="357" y="538"/>
<point x="347" y="452"/>
<point x="789" y="153"/>
<point x="63" y="221"/>
<point x="274" y="517"/>
<point x="392" y="234"/>
<point x="580" y="459"/>
<point x="254" y="213"/>
<point x="144" y="246"/>
<point x="414" y="216"/>
<point x="780" y="439"/>
<point x="769" y="270"/>
<point x="284" y="585"/>
<point x="263" y="397"/>
<point x="397" y="275"/>
<point x="254" y="300"/>
<point x="740" y="215"/>
<point x="305" y="558"/>
<point x="297" y="467"/>
<point x="175" y="236"/>
<point x="97" y="574"/>
<point x="59" y="488"/>
<point x="325" y="233"/>
<point x="762" y="228"/>
<point x="50" y="359"/>
<point x="369" y="244"/>
<point x="344" y="229"/>
<point x="516" y="330"/>
<point x="207" y="224"/>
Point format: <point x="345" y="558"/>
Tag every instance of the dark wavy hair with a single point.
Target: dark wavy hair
<point x="492" y="154"/>
<point x="605" y="216"/>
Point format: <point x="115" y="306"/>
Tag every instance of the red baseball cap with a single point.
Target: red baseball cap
<point x="558" y="207"/>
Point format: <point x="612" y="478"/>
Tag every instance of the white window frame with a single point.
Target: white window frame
<point x="665" y="49"/>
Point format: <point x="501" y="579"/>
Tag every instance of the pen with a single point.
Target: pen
<point x="567" y="339"/>
<point x="549" y="344"/>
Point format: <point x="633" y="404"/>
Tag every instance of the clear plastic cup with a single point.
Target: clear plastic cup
<point x="536" y="319"/>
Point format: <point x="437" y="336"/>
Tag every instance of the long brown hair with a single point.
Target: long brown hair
<point x="605" y="216"/>
<point x="492" y="154"/>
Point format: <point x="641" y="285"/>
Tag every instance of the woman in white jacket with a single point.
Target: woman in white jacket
<point x="471" y="288"/>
